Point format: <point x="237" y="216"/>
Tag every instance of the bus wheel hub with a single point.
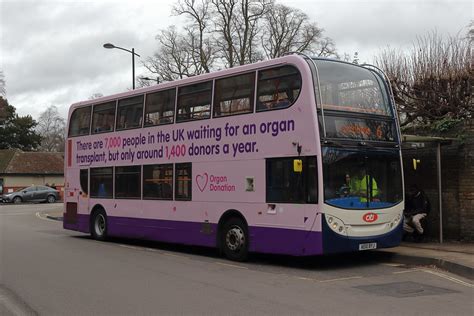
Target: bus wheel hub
<point x="235" y="238"/>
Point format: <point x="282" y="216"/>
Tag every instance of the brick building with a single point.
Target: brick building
<point x="19" y="169"/>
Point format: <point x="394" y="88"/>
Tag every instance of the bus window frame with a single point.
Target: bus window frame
<point x="112" y="197"/>
<point x="115" y="118"/>
<point x="175" y="187"/>
<point x="148" y="198"/>
<point x="140" y="173"/>
<point x="90" y="121"/>
<point x="117" y="112"/>
<point x="257" y="110"/>
<point x="188" y="85"/>
<point x="175" y="88"/>
<point x="252" y="110"/>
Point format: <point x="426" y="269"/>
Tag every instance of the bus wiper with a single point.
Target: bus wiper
<point x="332" y="142"/>
<point x="365" y="144"/>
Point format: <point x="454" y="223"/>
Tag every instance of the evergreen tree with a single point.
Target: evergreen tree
<point x="17" y="131"/>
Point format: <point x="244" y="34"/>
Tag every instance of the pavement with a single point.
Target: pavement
<point x="453" y="257"/>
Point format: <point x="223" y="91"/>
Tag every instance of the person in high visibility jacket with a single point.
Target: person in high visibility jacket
<point x="358" y="187"/>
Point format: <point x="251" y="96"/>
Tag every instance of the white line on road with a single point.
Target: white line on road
<point x="341" y="279"/>
<point x="130" y="247"/>
<point x="450" y="278"/>
<point x="38" y="214"/>
<point x="173" y="255"/>
<point x="230" y="265"/>
<point x="406" y="271"/>
<point x="307" y="279"/>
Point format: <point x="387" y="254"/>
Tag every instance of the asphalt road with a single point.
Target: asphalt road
<point x="49" y="271"/>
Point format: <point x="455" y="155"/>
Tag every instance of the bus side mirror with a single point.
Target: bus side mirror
<point x="298" y="165"/>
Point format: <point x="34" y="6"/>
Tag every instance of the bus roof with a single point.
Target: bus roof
<point x="294" y="58"/>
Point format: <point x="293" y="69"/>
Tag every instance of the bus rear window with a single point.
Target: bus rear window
<point x="194" y="102"/>
<point x="278" y="88"/>
<point x="80" y="122"/>
<point x="103" y="118"/>
<point x="234" y="95"/>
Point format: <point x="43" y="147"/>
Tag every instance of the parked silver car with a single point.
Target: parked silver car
<point x="34" y="193"/>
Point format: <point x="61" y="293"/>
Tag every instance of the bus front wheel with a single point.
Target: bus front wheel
<point x="99" y="225"/>
<point x="234" y="239"/>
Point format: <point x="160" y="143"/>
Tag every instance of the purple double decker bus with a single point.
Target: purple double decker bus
<point x="295" y="155"/>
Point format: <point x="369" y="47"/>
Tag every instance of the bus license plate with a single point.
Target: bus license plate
<point x="368" y="246"/>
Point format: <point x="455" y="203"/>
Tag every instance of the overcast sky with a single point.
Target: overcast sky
<point x="51" y="51"/>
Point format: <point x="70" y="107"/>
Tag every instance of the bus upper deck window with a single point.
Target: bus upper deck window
<point x="234" y="95"/>
<point x="103" y="118"/>
<point x="159" y="107"/>
<point x="194" y="102"/>
<point x="80" y="122"/>
<point x="130" y="112"/>
<point x="277" y="88"/>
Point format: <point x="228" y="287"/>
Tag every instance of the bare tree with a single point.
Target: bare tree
<point x="251" y="12"/>
<point x="235" y="26"/>
<point x="431" y="83"/>
<point x="289" y="29"/>
<point x="51" y="128"/>
<point x="2" y="84"/>
<point x="227" y="33"/>
<point x="176" y="59"/>
<point x="198" y="14"/>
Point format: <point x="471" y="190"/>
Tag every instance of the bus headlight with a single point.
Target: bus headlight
<point x="336" y="224"/>
<point x="395" y="221"/>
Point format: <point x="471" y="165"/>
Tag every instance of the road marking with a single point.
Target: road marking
<point x="406" y="271"/>
<point x="130" y="247"/>
<point x="450" y="278"/>
<point x="341" y="279"/>
<point x="307" y="279"/>
<point x="151" y="250"/>
<point x="393" y="264"/>
<point x="173" y="255"/>
<point x="38" y="214"/>
<point x="230" y="265"/>
<point x="14" y="304"/>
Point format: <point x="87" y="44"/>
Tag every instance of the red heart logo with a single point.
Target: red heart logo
<point x="201" y="181"/>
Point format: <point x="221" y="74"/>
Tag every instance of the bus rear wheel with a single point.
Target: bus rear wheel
<point x="99" y="225"/>
<point x="234" y="239"/>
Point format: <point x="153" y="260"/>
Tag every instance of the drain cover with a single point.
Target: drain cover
<point x="404" y="289"/>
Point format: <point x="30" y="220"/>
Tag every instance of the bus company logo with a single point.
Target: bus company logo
<point x="370" y="217"/>
<point x="213" y="183"/>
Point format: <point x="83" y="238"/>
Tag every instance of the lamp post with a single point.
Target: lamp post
<point x="151" y="79"/>
<point x="110" y="46"/>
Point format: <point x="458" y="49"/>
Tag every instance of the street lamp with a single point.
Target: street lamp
<point x="151" y="79"/>
<point x="110" y="46"/>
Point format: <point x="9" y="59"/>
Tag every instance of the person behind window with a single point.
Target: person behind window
<point x="344" y="190"/>
<point x="362" y="185"/>
<point x="417" y="207"/>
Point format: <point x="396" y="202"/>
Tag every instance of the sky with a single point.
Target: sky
<point x="51" y="51"/>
